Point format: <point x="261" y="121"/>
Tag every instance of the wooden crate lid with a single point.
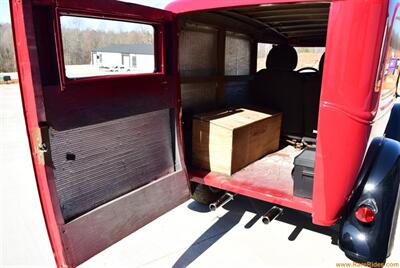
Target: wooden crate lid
<point x="235" y="117"/>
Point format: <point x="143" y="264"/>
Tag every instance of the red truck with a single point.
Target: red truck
<point x="112" y="152"/>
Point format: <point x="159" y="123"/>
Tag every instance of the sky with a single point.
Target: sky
<point x="5" y="10"/>
<point x="102" y="24"/>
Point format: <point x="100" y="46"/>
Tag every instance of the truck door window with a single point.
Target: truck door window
<point x="98" y="47"/>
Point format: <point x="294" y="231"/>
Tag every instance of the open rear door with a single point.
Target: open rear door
<point x="100" y="91"/>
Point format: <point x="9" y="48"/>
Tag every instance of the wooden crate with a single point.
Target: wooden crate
<point x="226" y="141"/>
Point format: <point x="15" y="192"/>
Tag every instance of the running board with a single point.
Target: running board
<point x="271" y="214"/>
<point x="223" y="200"/>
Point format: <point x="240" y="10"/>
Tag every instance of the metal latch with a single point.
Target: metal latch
<point x="42" y="147"/>
<point x="40" y="136"/>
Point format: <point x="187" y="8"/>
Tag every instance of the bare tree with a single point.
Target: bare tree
<point x="7" y="56"/>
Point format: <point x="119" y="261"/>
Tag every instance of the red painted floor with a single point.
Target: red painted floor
<point x="268" y="179"/>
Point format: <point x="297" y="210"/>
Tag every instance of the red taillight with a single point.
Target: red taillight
<point x="365" y="214"/>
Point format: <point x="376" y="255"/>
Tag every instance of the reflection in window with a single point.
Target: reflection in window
<point x="94" y="47"/>
<point x="388" y="81"/>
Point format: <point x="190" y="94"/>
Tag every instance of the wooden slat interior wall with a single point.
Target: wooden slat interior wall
<point x="95" y="164"/>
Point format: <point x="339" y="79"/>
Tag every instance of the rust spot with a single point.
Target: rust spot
<point x="37" y="138"/>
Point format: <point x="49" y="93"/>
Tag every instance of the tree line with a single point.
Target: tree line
<point x="7" y="57"/>
<point x="77" y="44"/>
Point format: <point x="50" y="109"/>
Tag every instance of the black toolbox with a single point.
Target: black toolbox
<point x="303" y="173"/>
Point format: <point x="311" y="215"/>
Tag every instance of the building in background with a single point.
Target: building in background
<point x="132" y="57"/>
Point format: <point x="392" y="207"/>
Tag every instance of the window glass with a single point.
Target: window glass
<point x="262" y="53"/>
<point x="306" y="56"/>
<point x="390" y="67"/>
<point x="237" y="54"/>
<point x="309" y="57"/>
<point x="198" y="51"/>
<point x="94" y="47"/>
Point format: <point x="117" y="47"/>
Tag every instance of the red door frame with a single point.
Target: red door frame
<point x="32" y="88"/>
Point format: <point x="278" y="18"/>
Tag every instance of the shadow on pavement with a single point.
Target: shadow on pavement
<point x="236" y="209"/>
<point x="211" y="235"/>
<point x="196" y="206"/>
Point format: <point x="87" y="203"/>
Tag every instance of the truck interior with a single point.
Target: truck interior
<point x="106" y="145"/>
<point x="270" y="56"/>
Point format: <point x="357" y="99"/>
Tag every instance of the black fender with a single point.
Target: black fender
<point x="378" y="183"/>
<point x="393" y="127"/>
